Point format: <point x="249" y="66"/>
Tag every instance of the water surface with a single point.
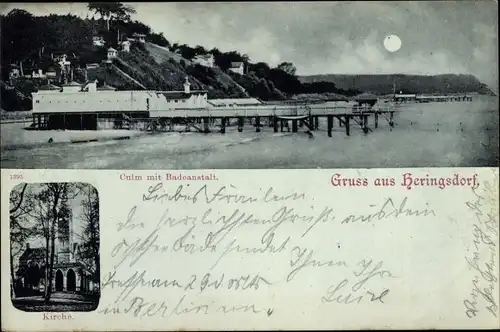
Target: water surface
<point x="454" y="134"/>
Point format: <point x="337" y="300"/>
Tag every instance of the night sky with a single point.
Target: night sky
<point x="329" y="37"/>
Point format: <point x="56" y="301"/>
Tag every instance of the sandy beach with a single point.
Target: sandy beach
<point x="15" y="137"/>
<point x="455" y="134"/>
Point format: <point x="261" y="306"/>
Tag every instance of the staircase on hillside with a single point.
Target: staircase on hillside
<point x="127" y="76"/>
<point x="229" y="78"/>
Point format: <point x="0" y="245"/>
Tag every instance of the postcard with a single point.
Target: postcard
<point x="237" y="166"/>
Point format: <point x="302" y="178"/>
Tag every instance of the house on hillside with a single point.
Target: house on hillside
<point x="112" y="53"/>
<point x="138" y="37"/>
<point x="237" y="67"/>
<point x="125" y="46"/>
<point x="206" y="60"/>
<point x="98" y="41"/>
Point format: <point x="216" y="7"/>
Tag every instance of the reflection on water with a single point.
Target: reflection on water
<point x="425" y="135"/>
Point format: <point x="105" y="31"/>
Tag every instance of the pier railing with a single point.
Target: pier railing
<point x="263" y="111"/>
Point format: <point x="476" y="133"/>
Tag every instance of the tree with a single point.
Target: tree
<point x="20" y="205"/>
<point x="223" y="59"/>
<point x="200" y="50"/>
<point x="17" y="42"/>
<point x="51" y="208"/>
<point x="159" y="39"/>
<point x="111" y="10"/>
<point x="287" y="67"/>
<point x="186" y="51"/>
<point x="261" y="69"/>
<point x="245" y="58"/>
<point x="285" y="82"/>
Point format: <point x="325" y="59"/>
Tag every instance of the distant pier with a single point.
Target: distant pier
<point x="407" y="98"/>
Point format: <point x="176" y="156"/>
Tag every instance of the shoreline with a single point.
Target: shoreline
<point x="28" y="146"/>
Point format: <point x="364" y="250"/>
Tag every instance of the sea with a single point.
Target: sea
<point x="441" y="134"/>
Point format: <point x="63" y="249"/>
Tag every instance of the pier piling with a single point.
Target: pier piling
<point x="275" y="124"/>
<point x="257" y="124"/>
<point x="347" y="126"/>
<point x="205" y="125"/>
<point x="222" y="125"/>
<point x="330" y="125"/>
<point x="294" y="126"/>
<point x="376" y="120"/>
<point x="241" y="122"/>
<point x="365" y="124"/>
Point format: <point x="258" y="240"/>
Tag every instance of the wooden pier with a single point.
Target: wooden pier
<point x="277" y="117"/>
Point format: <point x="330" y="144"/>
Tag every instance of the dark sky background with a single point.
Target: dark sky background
<point x="331" y="37"/>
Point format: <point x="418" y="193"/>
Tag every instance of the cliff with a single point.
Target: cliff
<point x="419" y="84"/>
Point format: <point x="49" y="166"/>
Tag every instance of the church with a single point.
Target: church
<point x="70" y="273"/>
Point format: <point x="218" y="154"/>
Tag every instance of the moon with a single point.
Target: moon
<point x="392" y="43"/>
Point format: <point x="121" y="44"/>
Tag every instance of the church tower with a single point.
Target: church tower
<point x="64" y="232"/>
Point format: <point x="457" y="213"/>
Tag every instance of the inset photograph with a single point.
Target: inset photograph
<point x="54" y="247"/>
